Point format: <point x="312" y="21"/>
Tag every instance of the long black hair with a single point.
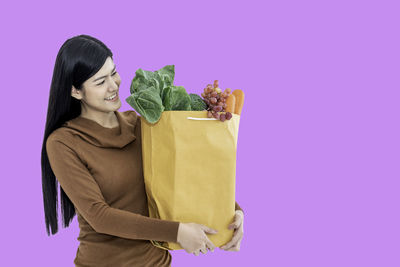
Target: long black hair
<point x="78" y="59"/>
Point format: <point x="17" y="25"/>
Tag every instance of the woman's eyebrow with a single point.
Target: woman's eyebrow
<point x="106" y="75"/>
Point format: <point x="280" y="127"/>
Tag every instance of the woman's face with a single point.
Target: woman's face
<point x="96" y="89"/>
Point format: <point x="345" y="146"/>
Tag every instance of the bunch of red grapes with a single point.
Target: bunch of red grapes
<point x="216" y="101"/>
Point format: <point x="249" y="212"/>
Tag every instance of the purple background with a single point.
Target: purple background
<point x="318" y="151"/>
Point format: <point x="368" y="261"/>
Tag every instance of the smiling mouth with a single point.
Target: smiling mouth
<point x="115" y="95"/>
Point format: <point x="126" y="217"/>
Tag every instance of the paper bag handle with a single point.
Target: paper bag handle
<point x="201" y="119"/>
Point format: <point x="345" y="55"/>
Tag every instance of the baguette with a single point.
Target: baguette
<point x="230" y="104"/>
<point x="239" y="97"/>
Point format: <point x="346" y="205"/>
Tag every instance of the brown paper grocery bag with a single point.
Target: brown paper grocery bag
<point x="189" y="164"/>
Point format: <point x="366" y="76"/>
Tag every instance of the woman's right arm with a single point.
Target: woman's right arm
<point x="84" y="192"/>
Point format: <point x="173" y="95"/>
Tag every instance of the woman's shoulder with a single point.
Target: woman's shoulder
<point x="62" y="135"/>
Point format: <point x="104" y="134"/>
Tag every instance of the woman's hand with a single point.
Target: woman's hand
<point x="192" y="237"/>
<point x="234" y="244"/>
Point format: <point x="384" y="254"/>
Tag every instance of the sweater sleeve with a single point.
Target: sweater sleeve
<point x="84" y="192"/>
<point x="237" y="207"/>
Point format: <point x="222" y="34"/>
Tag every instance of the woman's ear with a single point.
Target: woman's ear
<point x="76" y="93"/>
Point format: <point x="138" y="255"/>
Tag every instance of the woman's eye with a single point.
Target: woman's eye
<point x="103" y="81"/>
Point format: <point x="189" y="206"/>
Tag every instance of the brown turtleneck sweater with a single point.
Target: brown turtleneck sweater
<point x="100" y="170"/>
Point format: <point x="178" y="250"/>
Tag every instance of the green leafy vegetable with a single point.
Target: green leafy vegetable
<point x="167" y="75"/>
<point x="148" y="103"/>
<point x="154" y="92"/>
<point x="176" y="98"/>
<point x="197" y="103"/>
<point x="159" y="79"/>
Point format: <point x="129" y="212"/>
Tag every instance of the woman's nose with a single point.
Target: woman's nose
<point x="113" y="84"/>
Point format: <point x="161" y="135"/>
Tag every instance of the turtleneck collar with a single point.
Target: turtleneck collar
<point x="100" y="136"/>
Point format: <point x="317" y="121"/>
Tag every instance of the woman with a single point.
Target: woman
<point x="94" y="152"/>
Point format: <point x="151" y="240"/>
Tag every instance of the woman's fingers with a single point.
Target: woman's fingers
<point x="210" y="245"/>
<point x="237" y="237"/>
<point x="237" y="221"/>
<point x="233" y="241"/>
<point x="202" y="250"/>
<point x="237" y="224"/>
<point x="234" y="248"/>
<point x="233" y="244"/>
